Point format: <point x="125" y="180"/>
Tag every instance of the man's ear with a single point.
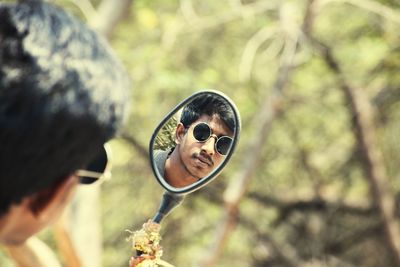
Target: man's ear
<point x="48" y="203"/>
<point x="179" y="133"/>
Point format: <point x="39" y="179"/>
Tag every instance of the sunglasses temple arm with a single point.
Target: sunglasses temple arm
<point x="169" y="202"/>
<point x="85" y="173"/>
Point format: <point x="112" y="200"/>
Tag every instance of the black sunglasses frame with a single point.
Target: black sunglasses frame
<point x="211" y="135"/>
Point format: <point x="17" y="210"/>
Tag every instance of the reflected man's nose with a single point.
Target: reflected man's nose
<point x="209" y="145"/>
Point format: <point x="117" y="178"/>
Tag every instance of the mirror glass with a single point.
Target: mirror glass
<point x="194" y="141"/>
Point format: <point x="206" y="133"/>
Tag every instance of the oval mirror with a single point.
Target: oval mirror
<point x="195" y="141"/>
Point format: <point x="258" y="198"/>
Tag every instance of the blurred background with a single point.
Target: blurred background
<point x="315" y="179"/>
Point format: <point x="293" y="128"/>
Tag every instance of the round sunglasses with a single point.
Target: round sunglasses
<point x="202" y="132"/>
<point x="99" y="169"/>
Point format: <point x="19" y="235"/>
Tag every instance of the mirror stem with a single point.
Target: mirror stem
<point x="169" y="202"/>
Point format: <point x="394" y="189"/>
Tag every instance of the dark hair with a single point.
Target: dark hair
<point x="62" y="96"/>
<point x="208" y="104"/>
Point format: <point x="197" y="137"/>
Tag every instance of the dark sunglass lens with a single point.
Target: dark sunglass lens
<point x="87" y="180"/>
<point x="99" y="163"/>
<point x="223" y="145"/>
<point x="201" y="132"/>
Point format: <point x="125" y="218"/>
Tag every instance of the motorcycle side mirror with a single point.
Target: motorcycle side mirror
<point x="194" y="142"/>
<point x="188" y="149"/>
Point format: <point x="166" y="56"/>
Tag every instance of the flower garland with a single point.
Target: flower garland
<point x="146" y="245"/>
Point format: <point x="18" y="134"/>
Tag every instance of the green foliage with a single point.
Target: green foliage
<point x="166" y="137"/>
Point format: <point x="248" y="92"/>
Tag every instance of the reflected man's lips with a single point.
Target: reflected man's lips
<point x="205" y="160"/>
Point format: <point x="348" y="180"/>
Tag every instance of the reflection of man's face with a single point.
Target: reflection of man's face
<point x="200" y="158"/>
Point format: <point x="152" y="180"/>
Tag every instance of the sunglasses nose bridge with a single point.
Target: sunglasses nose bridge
<point x="213" y="136"/>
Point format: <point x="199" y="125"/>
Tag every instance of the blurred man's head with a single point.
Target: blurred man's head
<point x="203" y="137"/>
<point x="62" y="96"/>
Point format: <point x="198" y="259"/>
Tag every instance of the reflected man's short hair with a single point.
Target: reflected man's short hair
<point x="208" y="104"/>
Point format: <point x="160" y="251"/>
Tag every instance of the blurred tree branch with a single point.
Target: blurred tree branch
<point x="352" y="239"/>
<point x="85" y="215"/>
<point x="109" y="14"/>
<point x="142" y="150"/>
<point x="371" y="6"/>
<point x="86" y="7"/>
<point x="278" y="254"/>
<point x="248" y="10"/>
<point x="364" y="129"/>
<point x="188" y="10"/>
<point x="285" y="208"/>
<point x="285" y="254"/>
<point x="197" y="23"/>
<point x="334" y="245"/>
<point x="263" y="122"/>
<point x="106" y="17"/>
<point x="33" y="253"/>
<point x="250" y="51"/>
<point x="238" y="186"/>
<point x="64" y="242"/>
